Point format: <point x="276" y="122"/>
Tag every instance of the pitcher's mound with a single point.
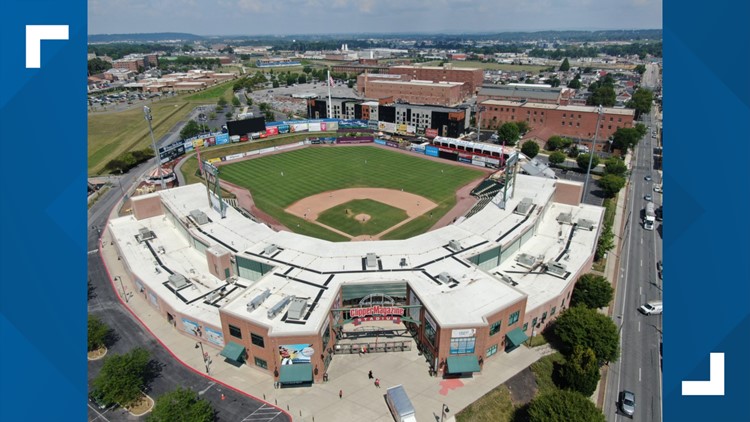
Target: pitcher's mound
<point x="362" y="218"/>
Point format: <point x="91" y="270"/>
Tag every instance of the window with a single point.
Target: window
<point x="533" y="322"/>
<point x="611" y="119"/>
<point x="565" y="115"/>
<point x="554" y="309"/>
<point x="495" y="328"/>
<point x="513" y="318"/>
<point x="619" y="119"/>
<point x="562" y="305"/>
<point x="562" y="123"/>
<point x="492" y="350"/>
<point x="261" y="363"/>
<point x="544" y="316"/>
<point x="526" y="326"/>
<point x="234" y="331"/>
<point x="609" y="127"/>
<point x="578" y="124"/>
<point x="257" y="340"/>
<point x="462" y="345"/>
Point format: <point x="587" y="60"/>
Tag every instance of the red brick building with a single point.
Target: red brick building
<point x="415" y="91"/>
<point x="547" y="120"/>
<point x="470" y="77"/>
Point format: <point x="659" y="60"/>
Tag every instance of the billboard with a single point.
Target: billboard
<point x="314" y="126"/>
<point x="430" y="133"/>
<point x="352" y="124"/>
<point x="372" y="124"/>
<point x="222" y="139"/>
<point x="387" y="127"/>
<point x="171" y="151"/>
<point x="291" y="354"/>
<point x="283" y="128"/>
<point x="272" y="130"/>
<point x="209" y="142"/>
<point x="299" y="127"/>
<point x="431" y="150"/>
<point x="242" y="127"/>
<point x="215" y="337"/>
<point x="197" y="143"/>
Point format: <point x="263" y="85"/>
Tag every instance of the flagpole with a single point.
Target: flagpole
<point x="330" y="106"/>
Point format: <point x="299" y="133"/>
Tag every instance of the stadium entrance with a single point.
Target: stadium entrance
<point x="375" y="319"/>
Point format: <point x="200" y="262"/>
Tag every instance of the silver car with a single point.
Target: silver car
<point x="627" y="402"/>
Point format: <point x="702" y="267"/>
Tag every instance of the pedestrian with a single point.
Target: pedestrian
<point x="369" y="374"/>
<point x="377" y="382"/>
<point x="341" y="394"/>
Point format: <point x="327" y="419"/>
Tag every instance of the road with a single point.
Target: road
<point x="639" y="368"/>
<point x="128" y="332"/>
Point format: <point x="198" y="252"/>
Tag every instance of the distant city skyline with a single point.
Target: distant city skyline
<point x="290" y="17"/>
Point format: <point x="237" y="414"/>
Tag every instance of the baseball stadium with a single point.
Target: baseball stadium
<point x="333" y="250"/>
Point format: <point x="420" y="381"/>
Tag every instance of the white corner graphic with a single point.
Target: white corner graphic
<point x="714" y="386"/>
<point x="34" y="36"/>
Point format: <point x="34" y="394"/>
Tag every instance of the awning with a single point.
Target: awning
<point x="462" y="364"/>
<point x="233" y="351"/>
<point x="516" y="337"/>
<point x="298" y="373"/>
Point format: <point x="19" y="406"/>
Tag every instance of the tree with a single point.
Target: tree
<point x="122" y="377"/>
<point x="97" y="333"/>
<point x="606" y="242"/>
<point x="554" y="143"/>
<point x="302" y="79"/>
<point x="625" y="138"/>
<point x="580" y="371"/>
<point x="641" y="102"/>
<point x="508" y="133"/>
<point x="615" y="165"/>
<point x="181" y="405"/>
<point x="530" y="149"/>
<point x="307" y="70"/>
<point x="582" y="326"/>
<point x="228" y="114"/>
<point x="565" y="66"/>
<point x="575" y="83"/>
<point x="554" y="82"/>
<point x="641" y="69"/>
<point x="275" y="83"/>
<point x="564" y="406"/>
<point x="190" y="129"/>
<point x="212" y="115"/>
<point x="641" y="129"/>
<point x="222" y="102"/>
<point x="523" y="126"/>
<point x="557" y="157"/>
<point x="236" y="101"/>
<point x="611" y="184"/>
<point x="583" y="161"/>
<point x="97" y="65"/>
<point x="593" y="291"/>
<point x="603" y="96"/>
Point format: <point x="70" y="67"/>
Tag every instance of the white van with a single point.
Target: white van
<point x="651" y="308"/>
<point x="400" y="405"/>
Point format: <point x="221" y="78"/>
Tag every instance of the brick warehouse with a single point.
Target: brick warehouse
<point x="470" y="77"/>
<point x="547" y="120"/>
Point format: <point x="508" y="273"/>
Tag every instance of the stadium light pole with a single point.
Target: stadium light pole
<point x="147" y="115"/>
<point x="600" y="112"/>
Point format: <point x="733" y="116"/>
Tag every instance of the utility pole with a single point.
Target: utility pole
<point x="600" y="111"/>
<point x="147" y="115"/>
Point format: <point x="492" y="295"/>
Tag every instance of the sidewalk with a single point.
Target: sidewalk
<point x="361" y="399"/>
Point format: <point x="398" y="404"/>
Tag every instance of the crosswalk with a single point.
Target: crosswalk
<point x="264" y="413"/>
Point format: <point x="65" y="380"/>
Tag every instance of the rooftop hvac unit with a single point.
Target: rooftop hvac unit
<point x="454" y="245"/>
<point x="275" y="309"/>
<point x="270" y="249"/>
<point x="556" y="268"/>
<point x="526" y="260"/>
<point x="253" y="304"/>
<point x="565" y="218"/>
<point x="145" y="234"/>
<point x="372" y="260"/>
<point x="178" y="280"/>
<point x="444" y="277"/>
<point x="402" y="263"/>
<point x="199" y="217"/>
<point x="524" y="206"/>
<point x="586" y="224"/>
<point x="297" y="308"/>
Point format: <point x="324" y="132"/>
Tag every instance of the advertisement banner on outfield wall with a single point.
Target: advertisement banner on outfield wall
<point x="431" y="150"/>
<point x="478" y="158"/>
<point x="314" y="126"/>
<point x="401" y="128"/>
<point x="372" y="124"/>
<point x="354" y="140"/>
<point x="392" y="144"/>
<point x="430" y="133"/>
<point x="234" y="156"/>
<point x="188" y="146"/>
<point x="213" y="160"/>
<point x="411" y="129"/>
<point x="387" y="127"/>
<point x="380" y="142"/>
<point x="478" y="163"/>
<point x="299" y="127"/>
<point x="353" y="124"/>
<point x="197" y="143"/>
<point x="283" y="128"/>
<point x="273" y="130"/>
<point x="222" y="139"/>
<point x="327" y="126"/>
<point x="209" y="142"/>
<point x="493" y="161"/>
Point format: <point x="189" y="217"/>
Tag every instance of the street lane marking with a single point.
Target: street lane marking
<point x="639" y="374"/>
<point x="639" y="326"/>
<point x="641" y="262"/>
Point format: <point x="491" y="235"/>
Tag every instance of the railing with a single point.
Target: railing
<point x="379" y="347"/>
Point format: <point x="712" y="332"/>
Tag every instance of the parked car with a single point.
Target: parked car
<point x="657" y="189"/>
<point x="648" y="197"/>
<point x="627" y="402"/>
<point x="648" y="178"/>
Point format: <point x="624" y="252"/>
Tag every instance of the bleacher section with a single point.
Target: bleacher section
<point x="488" y="188"/>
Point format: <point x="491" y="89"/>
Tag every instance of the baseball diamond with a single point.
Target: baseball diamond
<point x="348" y="173"/>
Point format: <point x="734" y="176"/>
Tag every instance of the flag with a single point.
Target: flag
<point x="330" y="80"/>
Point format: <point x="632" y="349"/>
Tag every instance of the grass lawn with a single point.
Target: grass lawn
<point x="495" y="406"/>
<point x="543" y="368"/>
<point x="111" y="134"/>
<point x="313" y="170"/>
<point x="343" y="217"/>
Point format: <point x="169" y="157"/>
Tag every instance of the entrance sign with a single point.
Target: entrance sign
<point x="376" y="310"/>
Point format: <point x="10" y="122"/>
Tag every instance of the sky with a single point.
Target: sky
<point x="289" y="17"/>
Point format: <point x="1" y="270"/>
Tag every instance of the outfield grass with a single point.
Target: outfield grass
<point x="343" y="217"/>
<point x="111" y="134"/>
<point x="313" y="170"/>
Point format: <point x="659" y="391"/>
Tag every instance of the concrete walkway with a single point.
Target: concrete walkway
<point x="348" y="373"/>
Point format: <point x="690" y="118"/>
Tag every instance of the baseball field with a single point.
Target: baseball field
<point x="339" y="193"/>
